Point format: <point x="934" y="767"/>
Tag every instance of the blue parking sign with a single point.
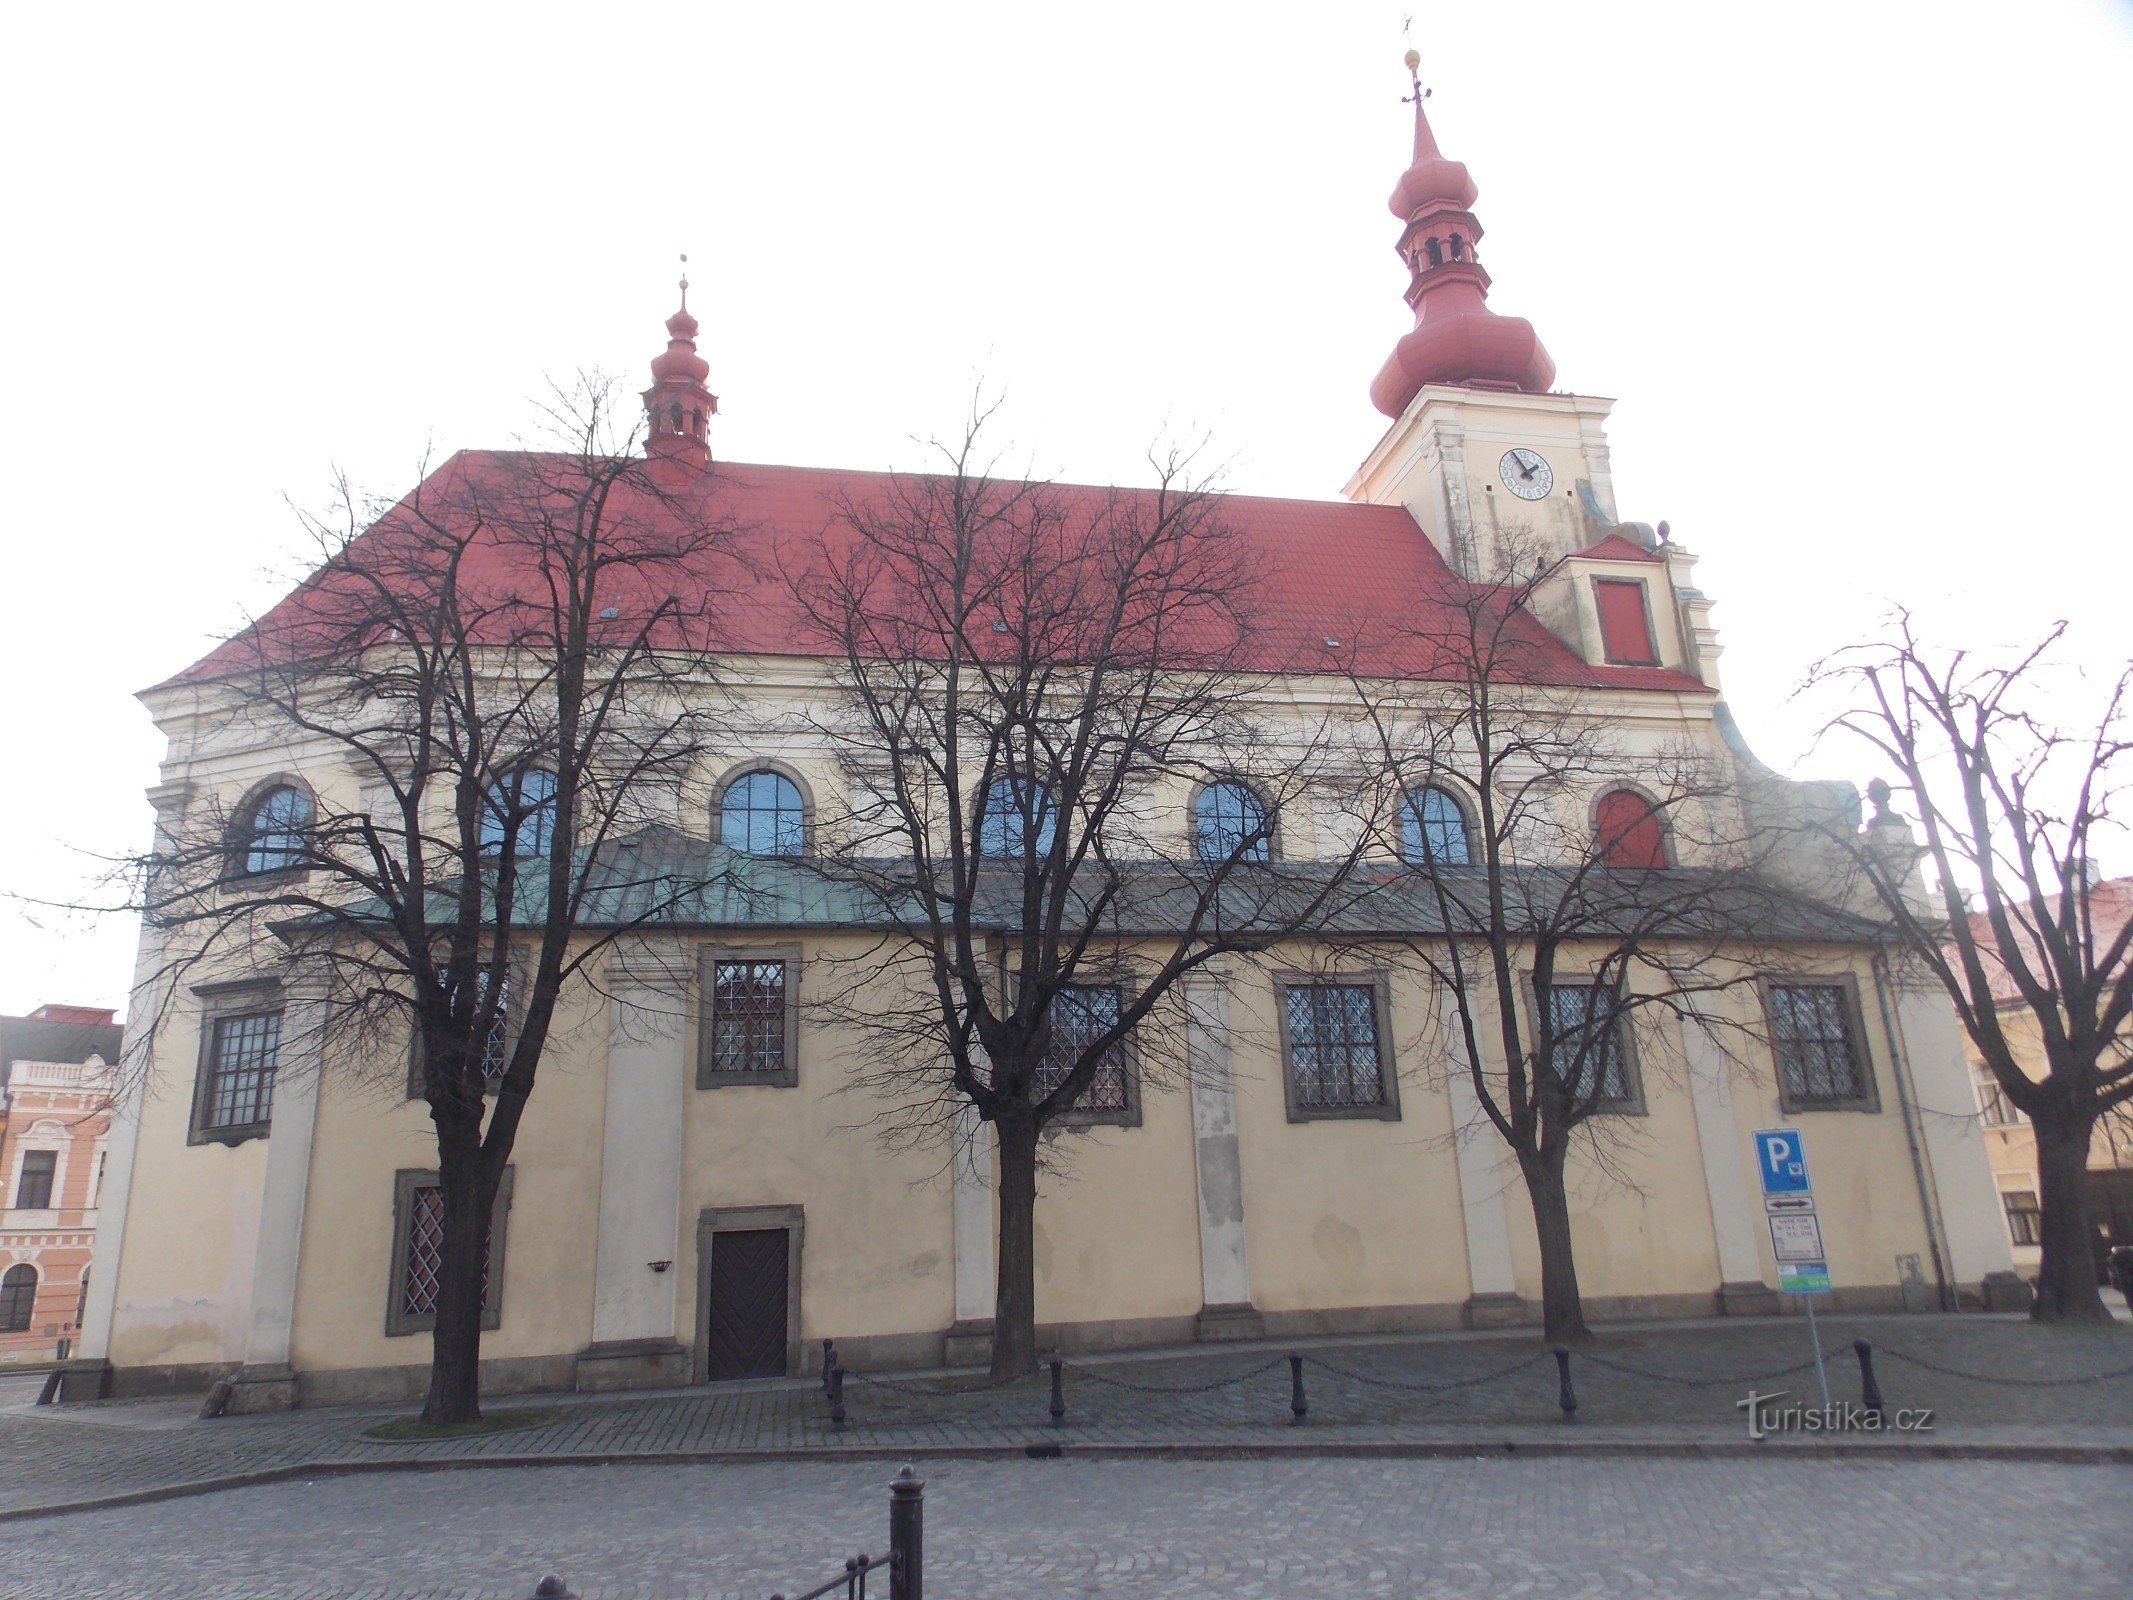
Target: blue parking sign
<point x="1781" y="1157"/>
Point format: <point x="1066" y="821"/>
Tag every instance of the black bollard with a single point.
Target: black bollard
<point x="1869" y="1390"/>
<point x="1297" y="1408"/>
<point x="1058" y="1405"/>
<point x="1566" y="1397"/>
<point x="829" y="1359"/>
<point x="907" y="1536"/>
<point x="837" y="1397"/>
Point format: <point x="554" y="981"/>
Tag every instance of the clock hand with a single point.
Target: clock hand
<point x="1522" y="467"/>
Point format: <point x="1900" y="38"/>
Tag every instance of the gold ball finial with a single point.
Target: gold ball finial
<point x="1413" y="59"/>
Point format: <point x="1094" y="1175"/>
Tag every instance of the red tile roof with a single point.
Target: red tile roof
<point x="1616" y="548"/>
<point x="1365" y="576"/>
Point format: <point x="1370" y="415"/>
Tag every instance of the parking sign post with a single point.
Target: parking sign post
<point x="1795" y="1230"/>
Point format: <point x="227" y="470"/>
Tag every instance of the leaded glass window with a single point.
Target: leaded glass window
<point x="1811" y="1036"/>
<point x="1334" y="1057"/>
<point x="1080" y="1014"/>
<point x="1585" y="1042"/>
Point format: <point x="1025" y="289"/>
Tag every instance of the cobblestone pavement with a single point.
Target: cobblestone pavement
<point x="1004" y="1530"/>
<point x="1668" y="1385"/>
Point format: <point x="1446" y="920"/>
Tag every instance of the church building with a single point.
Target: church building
<point x="691" y="1204"/>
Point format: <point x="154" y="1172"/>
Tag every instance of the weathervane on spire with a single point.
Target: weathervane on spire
<point x="685" y="280"/>
<point x="1414" y="65"/>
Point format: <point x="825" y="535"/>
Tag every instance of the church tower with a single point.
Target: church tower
<point x="1489" y="458"/>
<point x="678" y="406"/>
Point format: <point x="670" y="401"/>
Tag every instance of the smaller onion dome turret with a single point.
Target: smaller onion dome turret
<point x="1457" y="339"/>
<point x="678" y="406"/>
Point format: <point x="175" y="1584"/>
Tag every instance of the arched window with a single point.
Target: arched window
<point x="276" y="830"/>
<point x="1017" y="819"/>
<point x="1433" y="829"/>
<point x="18" y="1297"/>
<point x="1230" y="820"/>
<point x="763" y="814"/>
<point x="1628" y="830"/>
<point x="520" y="807"/>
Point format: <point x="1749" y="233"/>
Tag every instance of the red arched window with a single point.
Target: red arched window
<point x="1630" y="834"/>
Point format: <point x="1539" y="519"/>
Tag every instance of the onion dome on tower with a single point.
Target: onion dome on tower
<point x="1457" y="338"/>
<point x="678" y="406"/>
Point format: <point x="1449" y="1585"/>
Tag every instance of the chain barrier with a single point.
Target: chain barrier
<point x="2018" y="1383"/>
<point x="1186" y="1388"/>
<point x="928" y="1391"/>
<point x="1725" y="1380"/>
<point x="1374" y="1382"/>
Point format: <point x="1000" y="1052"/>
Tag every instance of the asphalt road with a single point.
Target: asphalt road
<point x="1583" y="1527"/>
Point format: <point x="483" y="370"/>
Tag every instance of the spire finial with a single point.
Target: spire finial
<point x="685" y="280"/>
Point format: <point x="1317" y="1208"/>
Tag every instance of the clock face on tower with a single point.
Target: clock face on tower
<point x="1525" y="473"/>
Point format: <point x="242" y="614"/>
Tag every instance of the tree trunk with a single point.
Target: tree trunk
<point x="2066" y="1280"/>
<point x="455" y="1342"/>
<point x="1014" y="1312"/>
<point x="1562" y="1311"/>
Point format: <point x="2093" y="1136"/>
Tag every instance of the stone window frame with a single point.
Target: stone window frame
<point x="1128" y="1116"/>
<point x="1469" y="823"/>
<point x="406" y="1181"/>
<point x="29" y="1305"/>
<point x="1662" y="814"/>
<point x="1651" y="631"/>
<point x="1868" y="1100"/>
<point x="2030" y="1214"/>
<point x="708" y="958"/>
<point x="242" y="997"/>
<point x="1379" y="982"/>
<point x="714" y="1220"/>
<point x="51" y="1176"/>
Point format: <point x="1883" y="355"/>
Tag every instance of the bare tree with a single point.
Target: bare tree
<point x="2013" y="798"/>
<point x="500" y="668"/>
<point x="1556" y="932"/>
<point x="1021" y="669"/>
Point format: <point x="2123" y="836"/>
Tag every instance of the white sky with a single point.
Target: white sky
<point x="1857" y="274"/>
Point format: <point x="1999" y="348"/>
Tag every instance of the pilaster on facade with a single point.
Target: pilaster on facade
<point x="635" y="1289"/>
<point x="267" y="1381"/>
<point x="1736" y="1225"/>
<point x="1493" y="1299"/>
<point x="1226" y="1309"/>
<point x="972" y="1213"/>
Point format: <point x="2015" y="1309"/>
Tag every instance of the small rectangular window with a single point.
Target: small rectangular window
<point x="749" y="1013"/>
<point x="2022" y="1216"/>
<point x="1080" y="1013"/>
<point x="1625" y="622"/>
<point x="1333" y="1050"/>
<point x="1992" y="1101"/>
<point x="1814" y="1036"/>
<point x="237" y="1077"/>
<point x="418" y="1254"/>
<point x="33" y="1189"/>
<point x="1587" y="1045"/>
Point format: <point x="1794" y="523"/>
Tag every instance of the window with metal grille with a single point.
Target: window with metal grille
<point x="1080" y="1014"/>
<point x="418" y="1253"/>
<point x="1817" y="1049"/>
<point x="33" y="1187"/>
<point x="1625" y="624"/>
<point x="1585" y="1042"/>
<point x="1335" y="1062"/>
<point x="18" y="1297"/>
<point x="2023" y="1216"/>
<point x="748" y="1016"/>
<point x="240" y="1071"/>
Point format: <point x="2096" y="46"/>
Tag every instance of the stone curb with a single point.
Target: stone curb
<point x="1048" y="1449"/>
